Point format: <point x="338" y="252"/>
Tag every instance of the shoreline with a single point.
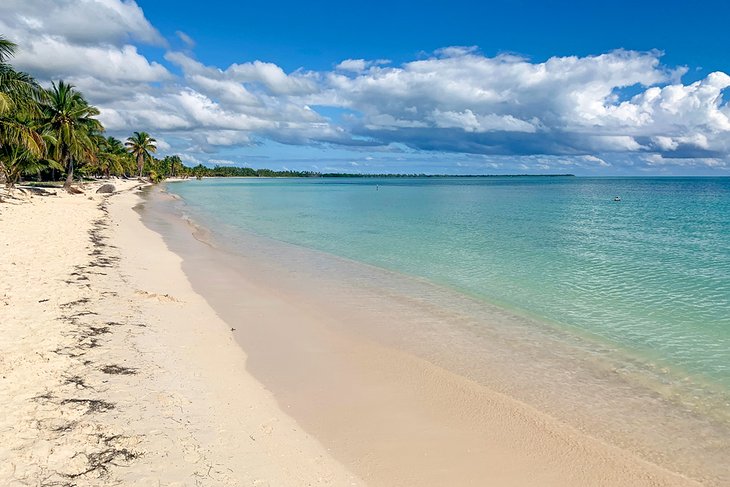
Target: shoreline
<point x="116" y="372"/>
<point x="319" y="318"/>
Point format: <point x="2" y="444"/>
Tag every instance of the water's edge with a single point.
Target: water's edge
<point x="592" y="387"/>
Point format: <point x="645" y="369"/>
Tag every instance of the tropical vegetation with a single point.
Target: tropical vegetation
<point x="141" y="146"/>
<point x="54" y="134"/>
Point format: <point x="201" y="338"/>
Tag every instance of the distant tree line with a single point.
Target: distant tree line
<point x="202" y="171"/>
<point x="244" y="172"/>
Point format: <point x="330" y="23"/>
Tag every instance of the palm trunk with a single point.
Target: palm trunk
<point x="13" y="180"/>
<point x="4" y="176"/>
<point x="140" y="164"/>
<point x="69" y="174"/>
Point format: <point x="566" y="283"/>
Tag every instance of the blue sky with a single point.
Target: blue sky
<point x="436" y="87"/>
<point x="319" y="34"/>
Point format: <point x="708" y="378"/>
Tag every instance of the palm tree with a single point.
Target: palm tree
<point x="20" y="161"/>
<point x="141" y="145"/>
<point x="19" y="105"/>
<point x="18" y="91"/>
<point x="7" y="49"/>
<point x="70" y="120"/>
<point x="175" y="163"/>
<point x="112" y="156"/>
<point x="17" y="159"/>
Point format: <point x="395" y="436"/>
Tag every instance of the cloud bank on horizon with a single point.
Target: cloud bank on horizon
<point x="505" y="113"/>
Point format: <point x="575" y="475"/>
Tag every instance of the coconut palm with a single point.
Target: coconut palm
<point x="7" y="49"/>
<point x="7" y="86"/>
<point x="175" y="164"/>
<point x="69" y="118"/>
<point x="141" y="145"/>
<point x="18" y="91"/>
<point x="19" y="104"/>
<point x="17" y="160"/>
<point x="111" y="157"/>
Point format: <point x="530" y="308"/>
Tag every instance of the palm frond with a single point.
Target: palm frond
<point x="7" y="49"/>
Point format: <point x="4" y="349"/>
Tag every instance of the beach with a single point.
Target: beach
<point x="114" y="372"/>
<point x="248" y="244"/>
<point x="119" y="370"/>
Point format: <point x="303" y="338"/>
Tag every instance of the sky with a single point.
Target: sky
<point x="502" y="87"/>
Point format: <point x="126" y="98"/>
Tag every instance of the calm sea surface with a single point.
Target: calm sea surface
<point x="649" y="275"/>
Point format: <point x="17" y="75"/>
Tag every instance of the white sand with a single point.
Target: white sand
<point x="190" y="414"/>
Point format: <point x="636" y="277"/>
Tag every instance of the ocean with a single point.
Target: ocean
<point x="640" y="286"/>
<point x="649" y="273"/>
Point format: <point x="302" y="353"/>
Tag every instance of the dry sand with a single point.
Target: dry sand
<point x="115" y="372"/>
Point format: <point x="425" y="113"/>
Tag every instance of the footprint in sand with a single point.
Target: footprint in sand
<point x="268" y="427"/>
<point x="159" y="297"/>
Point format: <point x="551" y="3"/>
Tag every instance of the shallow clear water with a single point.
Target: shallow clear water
<point x="649" y="274"/>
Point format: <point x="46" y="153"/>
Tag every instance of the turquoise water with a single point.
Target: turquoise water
<point x="649" y="274"/>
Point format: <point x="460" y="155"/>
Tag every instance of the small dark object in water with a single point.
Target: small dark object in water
<point x="106" y="189"/>
<point x="616" y="198"/>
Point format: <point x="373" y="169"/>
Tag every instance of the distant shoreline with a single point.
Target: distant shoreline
<point x="383" y="176"/>
<point x="246" y="172"/>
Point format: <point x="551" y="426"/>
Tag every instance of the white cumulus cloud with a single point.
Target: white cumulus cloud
<point x="619" y="107"/>
<point x="80" y="21"/>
